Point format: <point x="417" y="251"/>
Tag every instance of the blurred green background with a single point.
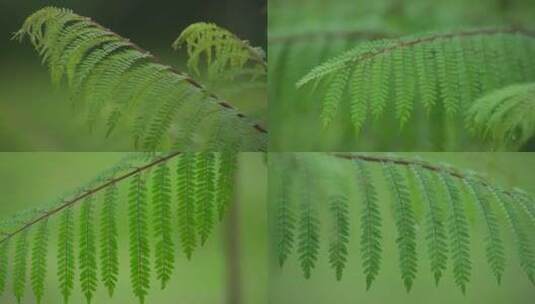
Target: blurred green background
<point x="34" y="179"/>
<point x="288" y="285"/>
<point x="35" y="116"/>
<point x="305" y="33"/>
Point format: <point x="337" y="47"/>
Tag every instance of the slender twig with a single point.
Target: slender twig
<point x="71" y="202"/>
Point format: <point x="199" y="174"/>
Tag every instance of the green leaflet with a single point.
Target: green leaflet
<point x="88" y="250"/>
<point x="405" y="223"/>
<point x="340" y="234"/>
<point x="164" y="253"/>
<point x="109" y="260"/>
<point x="285" y="214"/>
<point x="98" y="65"/>
<point x="185" y="185"/>
<point x="4" y="256"/>
<point x="370" y="241"/>
<point x="205" y="193"/>
<point x="494" y="247"/>
<point x="39" y="260"/>
<point x="308" y="227"/>
<point x="458" y="232"/>
<point x="448" y="69"/>
<point x="139" y="243"/>
<point x="435" y="234"/>
<point x="20" y="265"/>
<point x="66" y="259"/>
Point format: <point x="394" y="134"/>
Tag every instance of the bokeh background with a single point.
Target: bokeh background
<point x="32" y="180"/>
<point x="288" y="286"/>
<point x="35" y="116"/>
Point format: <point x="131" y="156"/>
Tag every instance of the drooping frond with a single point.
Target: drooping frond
<point x="4" y="257"/>
<point x="39" y="260"/>
<point x="113" y="79"/>
<point x="525" y="249"/>
<point x="226" y="55"/>
<point x="227" y="162"/>
<point x="66" y="255"/>
<point x="88" y="250"/>
<point x="139" y="242"/>
<point x="20" y="265"/>
<point x="505" y="116"/>
<point x="458" y="232"/>
<point x="284" y="213"/>
<point x="370" y="237"/>
<point x="308" y="227"/>
<point x="338" y="250"/>
<point x="435" y="233"/>
<point x="494" y="243"/>
<point x="164" y="252"/>
<point x="109" y="259"/>
<point x="405" y="223"/>
<point x="204" y="193"/>
<point x="186" y="203"/>
<point x="409" y="66"/>
<point x="526" y="202"/>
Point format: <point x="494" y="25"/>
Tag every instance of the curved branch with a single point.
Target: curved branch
<point x="88" y="193"/>
<point x="342" y="34"/>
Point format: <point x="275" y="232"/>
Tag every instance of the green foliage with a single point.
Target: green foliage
<point x="458" y="232"/>
<point x="405" y="223"/>
<point x="370" y="241"/>
<point x="186" y="203"/>
<point x="88" y="250"/>
<point x="20" y="265"/>
<point x="308" y="227"/>
<point x="505" y="116"/>
<point x="139" y="242"/>
<point x="39" y="260"/>
<point x="66" y="257"/>
<point x="435" y="233"/>
<point x="340" y="234"/>
<point x="4" y="256"/>
<point x="162" y="217"/>
<point x="204" y="181"/>
<point x="112" y="78"/>
<point x="109" y="259"/>
<point x="226" y="55"/>
<point x="412" y="59"/>
<point x="445" y="206"/>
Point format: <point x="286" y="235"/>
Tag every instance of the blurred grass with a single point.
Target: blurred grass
<point x="33" y="179"/>
<point x="288" y="286"/>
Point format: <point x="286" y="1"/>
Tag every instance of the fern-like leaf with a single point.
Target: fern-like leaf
<point x="405" y="223"/>
<point x="435" y="234"/>
<point x="109" y="259"/>
<point x="308" y="245"/>
<point x="161" y="199"/>
<point x="88" y="250"/>
<point x="186" y="202"/>
<point x="370" y="240"/>
<point x="458" y="232"/>
<point x="4" y="257"/>
<point x="204" y="193"/>
<point x="109" y="76"/>
<point x="39" y="260"/>
<point x="505" y="116"/>
<point x="20" y="265"/>
<point x="340" y="235"/>
<point x="285" y="217"/>
<point x="429" y="68"/>
<point x="66" y="257"/>
<point x="525" y="249"/>
<point x="139" y="243"/>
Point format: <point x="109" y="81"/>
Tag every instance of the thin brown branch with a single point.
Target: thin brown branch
<point x="71" y="202"/>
